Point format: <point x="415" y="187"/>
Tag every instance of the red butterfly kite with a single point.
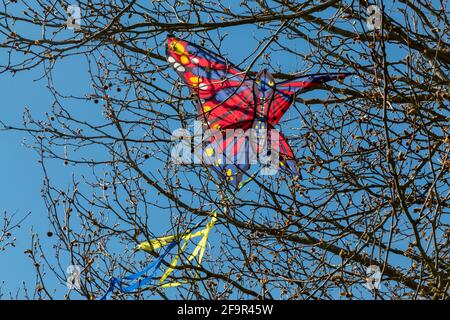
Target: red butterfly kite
<point x="228" y="98"/>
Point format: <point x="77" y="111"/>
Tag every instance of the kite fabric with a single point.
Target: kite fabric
<point x="228" y="98"/>
<point x="139" y="278"/>
<point x="145" y="276"/>
<point x="199" y="250"/>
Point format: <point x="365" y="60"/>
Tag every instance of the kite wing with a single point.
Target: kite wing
<point x="225" y="101"/>
<point x="228" y="154"/>
<point x="286" y="155"/>
<point x="285" y="92"/>
<point x="224" y="93"/>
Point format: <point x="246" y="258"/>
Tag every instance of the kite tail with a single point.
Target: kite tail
<point x="198" y="251"/>
<point x="138" y="283"/>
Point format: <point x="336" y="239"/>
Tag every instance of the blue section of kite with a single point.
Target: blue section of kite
<point x="140" y="278"/>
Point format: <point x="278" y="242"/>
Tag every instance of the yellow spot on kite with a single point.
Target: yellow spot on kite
<point x="216" y="126"/>
<point x="210" y="152"/>
<point x="184" y="59"/>
<point x="177" y="47"/>
<point x="207" y="108"/>
<point x="229" y="175"/>
<point x="195" y="80"/>
<point x="271" y="83"/>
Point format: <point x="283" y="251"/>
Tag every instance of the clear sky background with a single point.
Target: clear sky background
<point x="21" y="175"/>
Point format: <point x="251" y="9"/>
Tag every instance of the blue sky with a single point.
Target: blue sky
<point x="21" y="175"/>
